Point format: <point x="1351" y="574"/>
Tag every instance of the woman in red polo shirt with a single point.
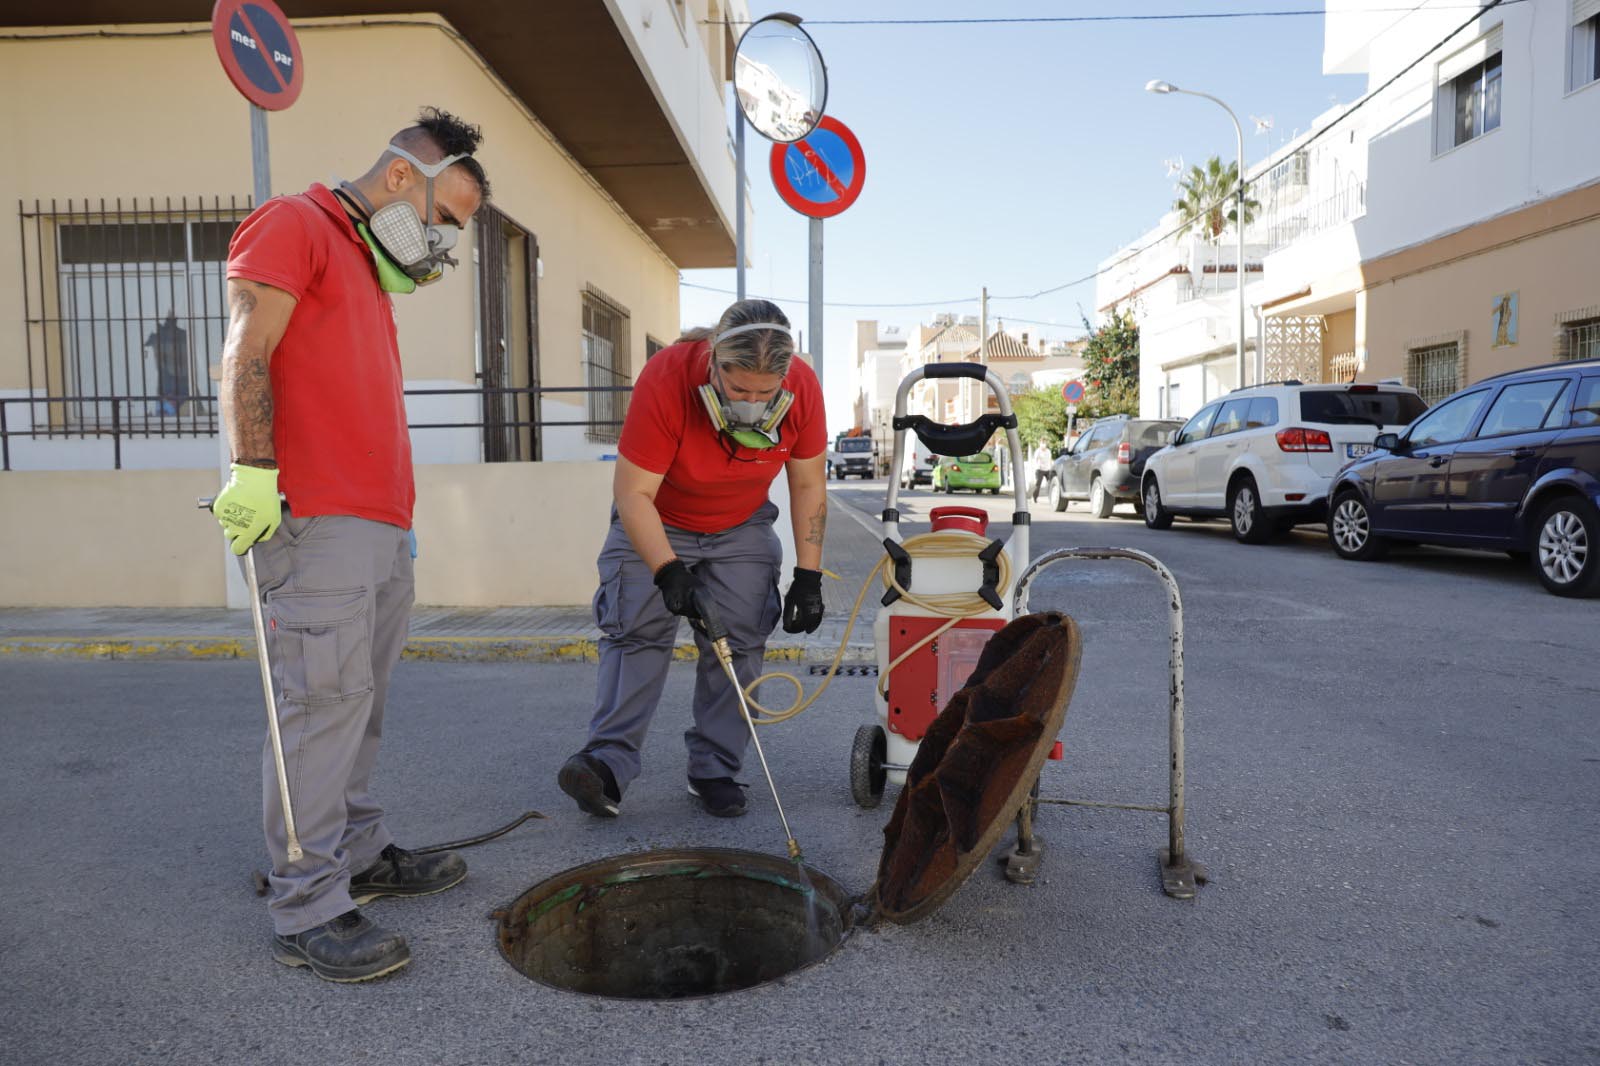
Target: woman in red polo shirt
<point x="712" y="421"/>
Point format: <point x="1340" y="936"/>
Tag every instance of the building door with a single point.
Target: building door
<point x="508" y="337"/>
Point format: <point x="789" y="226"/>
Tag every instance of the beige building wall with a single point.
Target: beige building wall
<point x="60" y="552"/>
<point x="155" y="116"/>
<point x="165" y="553"/>
<point x="1549" y="256"/>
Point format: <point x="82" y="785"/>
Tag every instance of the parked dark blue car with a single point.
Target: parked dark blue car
<point x="1510" y="463"/>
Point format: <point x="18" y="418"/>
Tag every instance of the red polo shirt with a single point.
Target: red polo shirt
<point x="338" y="395"/>
<point x="710" y="483"/>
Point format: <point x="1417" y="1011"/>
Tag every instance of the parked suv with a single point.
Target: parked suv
<point x="1511" y="463"/>
<point x="1104" y="465"/>
<point x="1264" y="456"/>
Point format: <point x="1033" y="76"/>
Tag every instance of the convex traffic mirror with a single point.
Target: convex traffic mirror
<point x="779" y="78"/>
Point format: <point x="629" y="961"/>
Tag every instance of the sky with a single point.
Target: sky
<point x="1013" y="156"/>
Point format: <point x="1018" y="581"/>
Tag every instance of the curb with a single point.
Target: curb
<point x="551" y="649"/>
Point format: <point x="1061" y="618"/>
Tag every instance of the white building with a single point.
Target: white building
<point x="1443" y="228"/>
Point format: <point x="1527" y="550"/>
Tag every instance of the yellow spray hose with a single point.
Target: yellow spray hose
<point x="946" y="544"/>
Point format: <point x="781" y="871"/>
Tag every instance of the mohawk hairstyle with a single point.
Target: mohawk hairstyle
<point x="453" y="136"/>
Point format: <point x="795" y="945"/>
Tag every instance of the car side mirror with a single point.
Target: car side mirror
<point x="1389" y="442"/>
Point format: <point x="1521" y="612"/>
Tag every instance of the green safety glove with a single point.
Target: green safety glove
<point x="248" y="507"/>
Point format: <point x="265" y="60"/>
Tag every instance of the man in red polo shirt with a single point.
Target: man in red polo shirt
<point x="314" y="408"/>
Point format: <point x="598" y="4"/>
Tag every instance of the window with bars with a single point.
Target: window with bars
<point x="126" y="309"/>
<point x="651" y="347"/>
<point x="605" y="365"/>
<point x="1434" y="371"/>
<point x="1580" y="340"/>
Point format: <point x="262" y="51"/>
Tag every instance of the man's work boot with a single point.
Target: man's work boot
<point x="346" y="949"/>
<point x="590" y="782"/>
<point x="398" y="872"/>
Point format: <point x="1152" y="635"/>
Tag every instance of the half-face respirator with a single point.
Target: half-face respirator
<point x="753" y="423"/>
<point x="414" y="252"/>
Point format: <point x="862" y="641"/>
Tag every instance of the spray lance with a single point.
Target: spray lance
<point x="716" y="632"/>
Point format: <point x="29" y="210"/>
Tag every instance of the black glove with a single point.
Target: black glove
<point x="802" y="607"/>
<point x="678" y="586"/>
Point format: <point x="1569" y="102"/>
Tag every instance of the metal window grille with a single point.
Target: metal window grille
<point x="605" y="365"/>
<point x="1341" y="367"/>
<point x="1435" y="372"/>
<point x="125" y="310"/>
<point x="651" y="347"/>
<point x="1581" y="340"/>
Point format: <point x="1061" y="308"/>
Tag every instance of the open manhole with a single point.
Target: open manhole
<point x="675" y="923"/>
<point x="672" y="924"/>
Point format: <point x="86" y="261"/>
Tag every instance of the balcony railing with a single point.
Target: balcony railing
<point x="129" y="418"/>
<point x="1301" y="222"/>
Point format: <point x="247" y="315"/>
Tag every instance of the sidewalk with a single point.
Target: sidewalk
<point x="445" y="634"/>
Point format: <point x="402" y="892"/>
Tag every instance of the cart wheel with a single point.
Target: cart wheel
<point x="867" y="775"/>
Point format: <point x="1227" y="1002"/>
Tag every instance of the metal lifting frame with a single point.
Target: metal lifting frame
<point x="1180" y="875"/>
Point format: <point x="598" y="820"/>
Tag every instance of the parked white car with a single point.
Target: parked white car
<point x="1264" y="456"/>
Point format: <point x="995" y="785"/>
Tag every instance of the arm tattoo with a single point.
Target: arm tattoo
<point x="819" y="525"/>
<point x="246" y="387"/>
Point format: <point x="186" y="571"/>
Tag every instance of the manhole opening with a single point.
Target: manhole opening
<point x="674" y="924"/>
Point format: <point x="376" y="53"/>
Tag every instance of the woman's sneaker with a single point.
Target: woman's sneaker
<point x="721" y="796"/>
<point x="346" y="949"/>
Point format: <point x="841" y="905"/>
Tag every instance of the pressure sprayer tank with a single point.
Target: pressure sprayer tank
<point x="919" y="687"/>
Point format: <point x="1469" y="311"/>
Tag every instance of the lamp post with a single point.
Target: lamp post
<point x="1167" y="87"/>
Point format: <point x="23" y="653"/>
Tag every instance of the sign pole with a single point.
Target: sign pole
<point x="815" y="325"/>
<point x="260" y="161"/>
<point x="738" y="201"/>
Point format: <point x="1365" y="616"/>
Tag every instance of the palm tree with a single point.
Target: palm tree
<point x="1206" y="201"/>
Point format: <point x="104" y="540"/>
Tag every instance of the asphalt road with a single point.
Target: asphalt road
<point x="1392" y="770"/>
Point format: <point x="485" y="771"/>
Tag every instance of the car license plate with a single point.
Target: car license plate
<point x="1356" y="451"/>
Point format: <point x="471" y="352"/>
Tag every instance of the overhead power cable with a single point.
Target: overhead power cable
<point x="1002" y="20"/>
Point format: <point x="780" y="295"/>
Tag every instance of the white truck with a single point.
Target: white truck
<point x="851" y="457"/>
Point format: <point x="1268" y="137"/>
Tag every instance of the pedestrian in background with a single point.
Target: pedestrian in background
<point x="1043" y="467"/>
<point x="712" y="421"/>
<point x="313" y="406"/>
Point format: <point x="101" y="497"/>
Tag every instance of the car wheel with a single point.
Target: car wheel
<point x="1100" y="501"/>
<point x="1245" y="514"/>
<point x="1155" y="515"/>
<point x="1350" y="529"/>
<point x="1567" y="547"/>
<point x="1053" y="496"/>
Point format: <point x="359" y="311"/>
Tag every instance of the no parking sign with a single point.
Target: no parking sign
<point x="259" y="51"/>
<point x="822" y="173"/>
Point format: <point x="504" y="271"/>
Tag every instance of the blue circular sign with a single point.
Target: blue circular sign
<point x="1072" y="391"/>
<point x="822" y="173"/>
<point x="259" y="51"/>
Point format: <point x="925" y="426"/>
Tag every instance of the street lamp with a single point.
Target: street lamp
<point x="1164" y="87"/>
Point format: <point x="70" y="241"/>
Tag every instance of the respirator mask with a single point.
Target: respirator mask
<point x="409" y="251"/>
<point x="753" y="423"/>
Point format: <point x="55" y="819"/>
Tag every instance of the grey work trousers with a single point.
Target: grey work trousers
<point x="336" y="594"/>
<point x="739" y="568"/>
